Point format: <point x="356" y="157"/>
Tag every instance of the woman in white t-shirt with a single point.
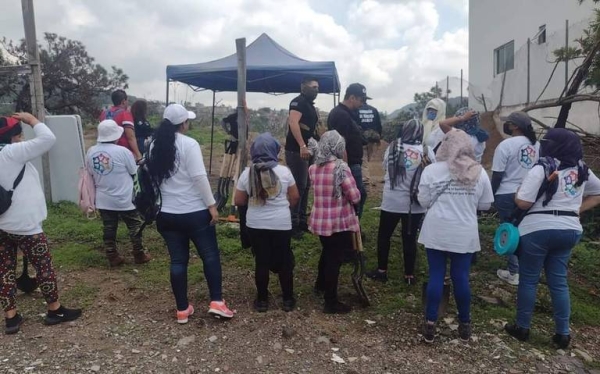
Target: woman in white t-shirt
<point x="555" y="192"/>
<point x="271" y="191"/>
<point x="453" y="190"/>
<point x="513" y="159"/>
<point x="402" y="164"/>
<point x="112" y="166"/>
<point x="188" y="210"/>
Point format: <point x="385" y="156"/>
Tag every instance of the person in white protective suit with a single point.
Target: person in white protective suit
<point x="434" y="112"/>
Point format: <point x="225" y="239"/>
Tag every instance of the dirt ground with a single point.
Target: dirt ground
<point x="131" y="329"/>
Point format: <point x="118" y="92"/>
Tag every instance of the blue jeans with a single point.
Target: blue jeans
<point x="460" y="263"/>
<point x="299" y="169"/>
<point x="178" y="230"/>
<point x="505" y="204"/>
<point x="356" y="170"/>
<point x="551" y="250"/>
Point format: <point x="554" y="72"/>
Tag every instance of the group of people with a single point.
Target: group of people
<point x="434" y="187"/>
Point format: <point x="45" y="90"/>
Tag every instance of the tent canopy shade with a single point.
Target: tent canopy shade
<point x="270" y="69"/>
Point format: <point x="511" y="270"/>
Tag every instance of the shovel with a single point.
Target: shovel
<point x="24" y="282"/>
<point x="359" y="269"/>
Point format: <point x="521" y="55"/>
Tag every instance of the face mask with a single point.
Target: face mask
<point x="506" y="128"/>
<point x="431" y="114"/>
<point x="310" y="92"/>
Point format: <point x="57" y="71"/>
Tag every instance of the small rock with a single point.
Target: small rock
<point x="352" y="359"/>
<point x="212" y="339"/>
<point x="365" y="358"/>
<point x="135" y="351"/>
<point x="288" y="350"/>
<point x="187" y="340"/>
<point x="335" y="349"/>
<point x="277" y="346"/>
<point x="453" y="327"/>
<point x="448" y="320"/>
<point x="586" y="357"/>
<point x="338" y="359"/>
<point x="323" y="339"/>
<point x="561" y="352"/>
<point x="369" y="322"/>
<point x="259" y="359"/>
<point x="490" y="300"/>
<point x="288" y="332"/>
<point x="95" y="368"/>
<point x="163" y="357"/>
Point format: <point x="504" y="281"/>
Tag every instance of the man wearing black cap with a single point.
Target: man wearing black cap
<point x="302" y="123"/>
<point x="370" y="123"/>
<point x="343" y="119"/>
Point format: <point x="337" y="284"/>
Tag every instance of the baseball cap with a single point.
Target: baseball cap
<point x="7" y="123"/>
<point x="358" y="90"/>
<point x="519" y="119"/>
<point x="109" y="131"/>
<point x="177" y="114"/>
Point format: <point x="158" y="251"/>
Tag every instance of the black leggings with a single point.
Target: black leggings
<point x="273" y="252"/>
<point x="332" y="257"/>
<point x="410" y="227"/>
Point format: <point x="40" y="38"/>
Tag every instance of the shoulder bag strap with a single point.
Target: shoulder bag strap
<point x="439" y="194"/>
<point x="19" y="178"/>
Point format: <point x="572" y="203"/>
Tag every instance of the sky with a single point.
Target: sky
<point x="394" y="47"/>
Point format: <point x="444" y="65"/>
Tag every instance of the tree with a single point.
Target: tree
<point x="73" y="83"/>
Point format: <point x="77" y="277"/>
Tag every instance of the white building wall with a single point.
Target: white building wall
<point x="494" y="23"/>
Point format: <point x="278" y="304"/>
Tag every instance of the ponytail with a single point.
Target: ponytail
<point x="163" y="154"/>
<point x="529" y="133"/>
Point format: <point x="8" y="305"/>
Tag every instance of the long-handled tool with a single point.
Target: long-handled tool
<point x="359" y="269"/>
<point x="25" y="283"/>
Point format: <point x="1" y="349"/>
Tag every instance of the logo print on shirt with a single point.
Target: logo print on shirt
<point x="570" y="179"/>
<point x="412" y="159"/>
<point x="102" y="163"/>
<point x="527" y="156"/>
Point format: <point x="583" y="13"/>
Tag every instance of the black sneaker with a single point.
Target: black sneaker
<point x="289" y="305"/>
<point x="517" y="332"/>
<point x="337" y="308"/>
<point x="62" y="314"/>
<point x="13" y="325"/>
<point x="261" y="306"/>
<point x="562" y="341"/>
<point x="410" y="280"/>
<point x="464" y="331"/>
<point x="377" y="275"/>
<point x="428" y="332"/>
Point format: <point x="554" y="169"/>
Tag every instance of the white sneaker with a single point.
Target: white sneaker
<point x="505" y="275"/>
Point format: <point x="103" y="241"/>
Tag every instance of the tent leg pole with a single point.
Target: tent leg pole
<point x="167" y="99"/>
<point x="212" y="134"/>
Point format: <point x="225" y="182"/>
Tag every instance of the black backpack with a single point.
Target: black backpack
<point x="6" y="196"/>
<point x="146" y="194"/>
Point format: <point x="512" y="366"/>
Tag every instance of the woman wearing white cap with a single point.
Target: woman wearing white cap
<point x="112" y="166"/>
<point x="188" y="210"/>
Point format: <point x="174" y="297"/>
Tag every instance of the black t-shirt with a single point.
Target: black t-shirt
<point x="369" y="118"/>
<point x="309" y="118"/>
<point x="343" y="121"/>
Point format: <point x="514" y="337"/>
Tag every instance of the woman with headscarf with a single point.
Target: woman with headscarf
<point x="453" y="190"/>
<point x="469" y="121"/>
<point x="333" y="215"/>
<point x="402" y="163"/>
<point x="434" y="112"/>
<point x="554" y="192"/>
<point x="513" y="158"/>
<point x="269" y="189"/>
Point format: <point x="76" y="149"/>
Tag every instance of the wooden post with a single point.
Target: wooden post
<point x="35" y="84"/>
<point x="240" y="47"/>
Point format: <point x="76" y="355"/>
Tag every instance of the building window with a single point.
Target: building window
<point x="504" y="58"/>
<point x="542" y="35"/>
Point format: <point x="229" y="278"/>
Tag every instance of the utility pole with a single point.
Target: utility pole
<point x="35" y="83"/>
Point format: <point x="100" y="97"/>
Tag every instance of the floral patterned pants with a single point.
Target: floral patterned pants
<point x="35" y="247"/>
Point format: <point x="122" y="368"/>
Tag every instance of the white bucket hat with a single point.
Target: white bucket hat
<point x="109" y="131"/>
<point x="177" y="114"/>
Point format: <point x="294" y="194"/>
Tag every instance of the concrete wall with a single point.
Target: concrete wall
<point x="494" y="23"/>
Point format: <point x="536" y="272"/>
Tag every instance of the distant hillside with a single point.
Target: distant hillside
<point x="454" y="102"/>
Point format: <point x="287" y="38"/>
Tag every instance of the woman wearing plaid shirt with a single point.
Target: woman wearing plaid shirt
<point x="333" y="215"/>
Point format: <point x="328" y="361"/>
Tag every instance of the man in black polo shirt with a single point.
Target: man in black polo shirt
<point x="302" y="123"/>
<point x="370" y="123"/>
<point x="344" y="120"/>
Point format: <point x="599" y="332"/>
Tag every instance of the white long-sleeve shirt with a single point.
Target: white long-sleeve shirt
<point x="28" y="209"/>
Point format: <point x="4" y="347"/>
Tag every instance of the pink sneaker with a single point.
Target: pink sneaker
<point x="219" y="309"/>
<point x="182" y="315"/>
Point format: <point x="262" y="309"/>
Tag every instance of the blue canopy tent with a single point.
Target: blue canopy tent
<point x="270" y="69"/>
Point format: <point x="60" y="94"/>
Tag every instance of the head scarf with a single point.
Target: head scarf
<point x="428" y="126"/>
<point x="264" y="183"/>
<point x="457" y="150"/>
<point x="410" y="133"/>
<point x="565" y="147"/>
<point x="331" y="147"/>
<point x="472" y="126"/>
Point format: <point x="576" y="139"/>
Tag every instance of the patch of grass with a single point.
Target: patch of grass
<point x="81" y="294"/>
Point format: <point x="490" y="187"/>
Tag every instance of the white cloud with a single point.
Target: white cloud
<point x="388" y="45"/>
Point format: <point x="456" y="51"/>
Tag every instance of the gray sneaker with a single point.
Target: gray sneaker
<point x="428" y="332"/>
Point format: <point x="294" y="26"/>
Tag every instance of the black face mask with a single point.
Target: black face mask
<point x="310" y="92"/>
<point x="507" y="129"/>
